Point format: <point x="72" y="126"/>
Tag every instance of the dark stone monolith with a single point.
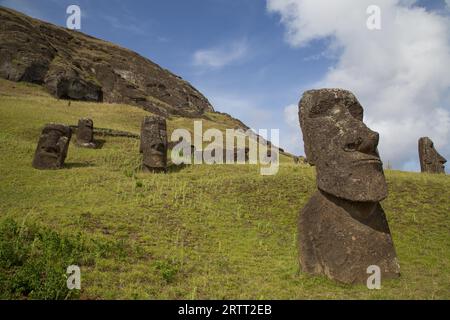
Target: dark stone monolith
<point x="343" y="229"/>
<point x="85" y="133"/>
<point x="51" y="151"/>
<point x="430" y="160"/>
<point x="154" y="144"/>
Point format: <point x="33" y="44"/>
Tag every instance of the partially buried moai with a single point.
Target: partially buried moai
<point x="85" y="133"/>
<point x="343" y="230"/>
<point x="51" y="151"/>
<point x="154" y="144"/>
<point x="430" y="160"/>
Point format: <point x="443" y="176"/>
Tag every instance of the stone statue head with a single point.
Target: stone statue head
<point x="430" y="159"/>
<point x="52" y="147"/>
<point x="341" y="146"/>
<point x="154" y="143"/>
<point x="85" y="133"/>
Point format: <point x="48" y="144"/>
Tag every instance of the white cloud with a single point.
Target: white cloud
<point x="291" y="136"/>
<point x="399" y="73"/>
<point x="220" y="56"/>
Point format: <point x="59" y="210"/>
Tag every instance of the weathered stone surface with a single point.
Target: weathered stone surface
<point x="343" y="229"/>
<point x="72" y="65"/>
<point x="430" y="160"/>
<point x="85" y="133"/>
<point x="341" y="146"/>
<point x="340" y="239"/>
<point x="154" y="144"/>
<point x="51" y="151"/>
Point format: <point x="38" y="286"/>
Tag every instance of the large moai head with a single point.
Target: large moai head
<point x="154" y="144"/>
<point x="430" y="160"/>
<point x="85" y="132"/>
<point x="341" y="146"/>
<point x="52" y="147"/>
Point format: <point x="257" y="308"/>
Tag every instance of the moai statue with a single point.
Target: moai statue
<point x="51" y="151"/>
<point x="154" y="144"/>
<point x="343" y="229"/>
<point x="430" y="160"/>
<point x="85" y="133"/>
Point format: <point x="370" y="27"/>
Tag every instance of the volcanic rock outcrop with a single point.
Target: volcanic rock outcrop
<point x="85" y="133"/>
<point x="72" y="65"/>
<point x="430" y="160"/>
<point x="154" y="144"/>
<point x="343" y="229"/>
<point x="51" y="151"/>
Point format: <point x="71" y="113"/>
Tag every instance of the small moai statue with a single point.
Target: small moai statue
<point x="51" y="151"/>
<point x="154" y="144"/>
<point x="85" y="133"/>
<point x="430" y="160"/>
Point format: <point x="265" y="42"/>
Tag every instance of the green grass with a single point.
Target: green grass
<point x="214" y="232"/>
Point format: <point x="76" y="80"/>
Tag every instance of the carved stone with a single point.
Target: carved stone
<point x="85" y="133"/>
<point x="52" y="147"/>
<point x="430" y="160"/>
<point x="154" y="144"/>
<point x="343" y="229"/>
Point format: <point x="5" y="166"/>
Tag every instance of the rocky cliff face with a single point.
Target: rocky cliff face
<point x="72" y="65"/>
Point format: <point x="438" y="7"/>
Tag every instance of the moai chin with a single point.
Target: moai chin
<point x="154" y="144"/>
<point x="85" y="133"/>
<point x="343" y="230"/>
<point x="51" y="151"/>
<point x="430" y="160"/>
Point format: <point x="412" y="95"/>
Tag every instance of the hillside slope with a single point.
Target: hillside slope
<point x="211" y="232"/>
<point x="72" y="65"/>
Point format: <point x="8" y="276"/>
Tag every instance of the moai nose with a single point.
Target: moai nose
<point x="369" y="143"/>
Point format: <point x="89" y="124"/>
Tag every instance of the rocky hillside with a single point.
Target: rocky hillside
<point x="72" y="65"/>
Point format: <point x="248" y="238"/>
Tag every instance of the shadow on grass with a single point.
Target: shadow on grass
<point x="174" y="168"/>
<point x="75" y="165"/>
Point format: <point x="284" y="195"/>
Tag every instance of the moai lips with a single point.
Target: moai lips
<point x="154" y="144"/>
<point x="52" y="147"/>
<point x="430" y="160"/>
<point x="343" y="229"/>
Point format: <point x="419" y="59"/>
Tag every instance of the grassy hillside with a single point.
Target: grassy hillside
<point x="197" y="232"/>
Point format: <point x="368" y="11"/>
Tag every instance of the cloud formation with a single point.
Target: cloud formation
<point x="399" y="73"/>
<point x="220" y="56"/>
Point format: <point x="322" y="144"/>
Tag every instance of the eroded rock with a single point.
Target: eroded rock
<point x="343" y="229"/>
<point x="51" y="151"/>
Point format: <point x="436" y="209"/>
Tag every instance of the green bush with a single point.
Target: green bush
<point x="33" y="262"/>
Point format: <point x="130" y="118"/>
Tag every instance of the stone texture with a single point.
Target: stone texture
<point x="72" y="65"/>
<point x="85" y="133"/>
<point x="430" y="160"/>
<point x="52" y="147"/>
<point x="343" y="229"/>
<point x="154" y="144"/>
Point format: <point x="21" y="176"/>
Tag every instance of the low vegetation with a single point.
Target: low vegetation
<point x="213" y="232"/>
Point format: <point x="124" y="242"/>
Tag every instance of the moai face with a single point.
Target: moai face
<point x="341" y="146"/>
<point x="85" y="133"/>
<point x="154" y="143"/>
<point x="430" y="160"/>
<point x="52" y="147"/>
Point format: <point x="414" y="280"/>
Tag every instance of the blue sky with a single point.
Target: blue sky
<point x="249" y="59"/>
